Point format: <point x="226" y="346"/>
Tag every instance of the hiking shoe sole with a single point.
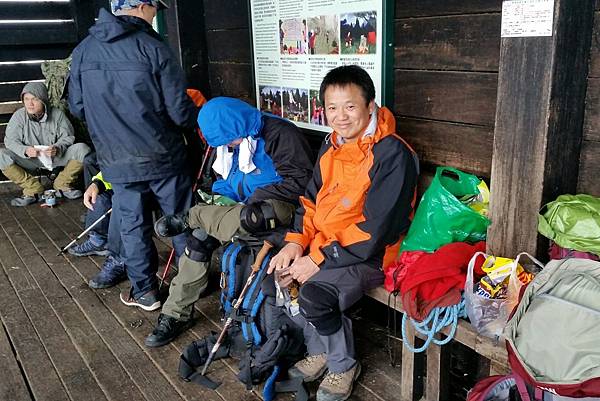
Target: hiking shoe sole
<point x="132" y="302"/>
<point x="104" y="252"/>
<point x="325" y="396"/>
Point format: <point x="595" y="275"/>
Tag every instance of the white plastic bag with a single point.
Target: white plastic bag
<point x="489" y="316"/>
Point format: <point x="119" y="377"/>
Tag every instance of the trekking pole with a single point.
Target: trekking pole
<point x="172" y="254"/>
<point x="94" y="224"/>
<point x="255" y="268"/>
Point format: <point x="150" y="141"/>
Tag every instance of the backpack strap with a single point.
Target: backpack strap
<point x="251" y="305"/>
<point x="228" y="275"/>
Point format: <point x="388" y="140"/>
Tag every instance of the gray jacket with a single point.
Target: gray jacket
<point x="53" y="129"/>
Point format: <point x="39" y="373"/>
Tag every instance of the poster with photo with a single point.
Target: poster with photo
<point x="296" y="42"/>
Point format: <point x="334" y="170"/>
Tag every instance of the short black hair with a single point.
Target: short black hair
<point x="346" y="75"/>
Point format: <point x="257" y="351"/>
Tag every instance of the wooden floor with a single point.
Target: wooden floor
<point x="61" y="340"/>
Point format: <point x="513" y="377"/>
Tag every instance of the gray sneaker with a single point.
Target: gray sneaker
<point x="69" y="193"/>
<point x="338" y="386"/>
<point x="310" y="368"/>
<point x="24" y="201"/>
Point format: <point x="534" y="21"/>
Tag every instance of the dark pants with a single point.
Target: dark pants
<point x="108" y="230"/>
<point x="134" y="201"/>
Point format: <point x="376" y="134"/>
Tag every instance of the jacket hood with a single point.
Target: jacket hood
<point x="109" y="28"/>
<point x="224" y="119"/>
<point x="37" y="89"/>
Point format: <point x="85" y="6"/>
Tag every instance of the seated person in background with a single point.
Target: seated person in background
<point x="264" y="163"/>
<point x="105" y="238"/>
<point x="38" y="124"/>
<point x="349" y="224"/>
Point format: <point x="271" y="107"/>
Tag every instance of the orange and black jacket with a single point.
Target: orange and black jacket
<point x="359" y="201"/>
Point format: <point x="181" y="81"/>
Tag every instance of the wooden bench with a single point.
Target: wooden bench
<point x="437" y="365"/>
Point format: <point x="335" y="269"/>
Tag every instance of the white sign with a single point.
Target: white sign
<point x="296" y="42"/>
<point x="522" y="18"/>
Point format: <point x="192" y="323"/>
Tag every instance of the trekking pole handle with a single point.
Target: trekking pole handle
<point x="262" y="254"/>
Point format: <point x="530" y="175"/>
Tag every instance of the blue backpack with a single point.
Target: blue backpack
<point x="263" y="337"/>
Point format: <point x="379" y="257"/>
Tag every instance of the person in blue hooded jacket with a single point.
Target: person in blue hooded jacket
<point x="127" y="85"/>
<point x="263" y="163"/>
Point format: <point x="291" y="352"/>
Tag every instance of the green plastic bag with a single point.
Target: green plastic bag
<point x="573" y="222"/>
<point x="442" y="218"/>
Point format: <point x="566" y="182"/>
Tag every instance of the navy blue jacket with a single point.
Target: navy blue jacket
<point x="128" y="87"/>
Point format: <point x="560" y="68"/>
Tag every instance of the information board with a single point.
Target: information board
<point x="296" y="42"/>
<point x="527" y="18"/>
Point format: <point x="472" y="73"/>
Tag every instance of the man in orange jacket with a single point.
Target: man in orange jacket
<point x="355" y="209"/>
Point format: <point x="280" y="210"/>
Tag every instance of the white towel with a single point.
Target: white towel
<point x="45" y="160"/>
<point x="224" y="160"/>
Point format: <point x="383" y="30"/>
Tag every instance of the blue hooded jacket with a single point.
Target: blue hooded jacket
<point x="128" y="87"/>
<point x="223" y="120"/>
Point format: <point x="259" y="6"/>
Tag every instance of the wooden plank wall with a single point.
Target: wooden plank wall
<point x="34" y="42"/>
<point x="446" y="73"/>
<point x="229" y="48"/>
<point x="589" y="163"/>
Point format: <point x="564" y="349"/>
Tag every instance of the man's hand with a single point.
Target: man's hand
<point x="51" y="151"/>
<point x="31" y="151"/>
<point x="288" y="254"/>
<point x="90" y="195"/>
<point x="303" y="269"/>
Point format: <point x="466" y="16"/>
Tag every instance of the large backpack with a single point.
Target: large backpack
<point x="263" y="337"/>
<point x="553" y="337"/>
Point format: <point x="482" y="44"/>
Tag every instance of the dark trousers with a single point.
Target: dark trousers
<point x="134" y="202"/>
<point x="109" y="229"/>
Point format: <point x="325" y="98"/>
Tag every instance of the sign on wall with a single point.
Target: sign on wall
<point x="527" y="18"/>
<point x="296" y="42"/>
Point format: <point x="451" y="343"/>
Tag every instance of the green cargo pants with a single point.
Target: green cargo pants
<point x="221" y="222"/>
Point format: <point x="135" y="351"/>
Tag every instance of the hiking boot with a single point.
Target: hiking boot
<point x="88" y="248"/>
<point x="338" y="386"/>
<point x="166" y="330"/>
<point x="310" y="368"/>
<point x="24" y="201"/>
<point x="148" y="302"/>
<point x="69" y="193"/>
<point x="171" y="225"/>
<point x="111" y="273"/>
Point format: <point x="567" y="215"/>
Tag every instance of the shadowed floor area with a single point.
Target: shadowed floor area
<point x="61" y="340"/>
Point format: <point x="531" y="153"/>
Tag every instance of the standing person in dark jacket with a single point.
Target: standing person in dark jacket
<point x="127" y="85"/>
<point x="264" y="163"/>
<point x="349" y="225"/>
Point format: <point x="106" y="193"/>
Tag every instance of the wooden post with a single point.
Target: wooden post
<point x="538" y="128"/>
<point x="186" y="35"/>
<point x="83" y="13"/>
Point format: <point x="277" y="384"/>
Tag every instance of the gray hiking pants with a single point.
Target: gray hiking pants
<point x="351" y="282"/>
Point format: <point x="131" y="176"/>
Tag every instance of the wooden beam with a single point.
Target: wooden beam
<point x="36" y="52"/>
<point x="20" y="72"/>
<point x="230" y="15"/>
<point x="10" y="107"/>
<point x="240" y="53"/>
<point x="19" y="10"/>
<point x="462" y="97"/>
<point x="460" y="42"/>
<point x="422" y="8"/>
<point x="588" y="169"/>
<point x="538" y="130"/>
<point x="38" y="33"/>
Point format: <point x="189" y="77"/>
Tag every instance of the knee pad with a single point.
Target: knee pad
<point x="196" y="246"/>
<point x="319" y="304"/>
<point x="258" y="217"/>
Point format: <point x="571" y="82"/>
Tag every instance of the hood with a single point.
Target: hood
<point x="109" y="28"/>
<point x="37" y="89"/>
<point x="224" y="119"/>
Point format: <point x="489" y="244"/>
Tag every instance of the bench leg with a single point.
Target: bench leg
<point x="408" y="367"/>
<point x="438" y="367"/>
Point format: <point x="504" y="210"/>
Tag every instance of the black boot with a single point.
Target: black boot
<point x="171" y="225"/>
<point x="167" y="329"/>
